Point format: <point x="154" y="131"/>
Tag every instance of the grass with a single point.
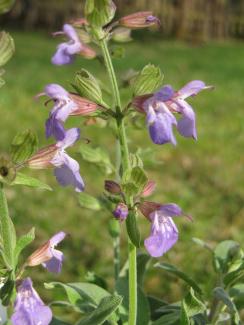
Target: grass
<point x="204" y="177"/>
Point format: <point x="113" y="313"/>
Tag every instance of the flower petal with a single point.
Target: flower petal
<point x="55" y="128"/>
<point x="54" y="265"/>
<point x="68" y="174"/>
<point x="57" y="238"/>
<point x="192" y="88"/>
<point x="187" y="124"/>
<point x="61" y="56"/>
<point x="55" y="91"/>
<point x="165" y="93"/>
<point x="170" y="209"/>
<point x="71" y="136"/>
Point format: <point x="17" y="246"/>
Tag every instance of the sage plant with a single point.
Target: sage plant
<point x="125" y="197"/>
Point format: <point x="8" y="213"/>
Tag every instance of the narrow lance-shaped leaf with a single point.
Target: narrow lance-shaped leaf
<point x="22" y="179"/>
<point x="148" y="80"/>
<point x="172" y="269"/>
<point x="24" y="241"/>
<point x="104" y="310"/>
<point x="23" y="146"/>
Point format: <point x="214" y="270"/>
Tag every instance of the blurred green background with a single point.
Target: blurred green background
<point x="205" y="177"/>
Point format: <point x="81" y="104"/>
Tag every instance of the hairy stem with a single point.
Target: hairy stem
<point x="125" y="161"/>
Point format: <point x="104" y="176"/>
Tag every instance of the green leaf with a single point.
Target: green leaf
<point x="169" y="319"/>
<point x="121" y="35"/>
<point x="225" y="254"/>
<point x="23" y="146"/>
<point x="5" y="6"/>
<point x="99" y="12"/>
<point x="97" y="156"/>
<point x="191" y="306"/>
<point x="132" y="229"/>
<point x="7" y="290"/>
<point x="56" y="321"/>
<point x="22" y="179"/>
<point x="172" y="269"/>
<point x="104" y="310"/>
<point x="129" y="189"/>
<point x="142" y="262"/>
<point x="6" y="46"/>
<point x="235" y="276"/>
<point x="223" y="296"/>
<point x="155" y="303"/>
<point x="88" y="86"/>
<point x="143" y="315"/>
<point x="135" y="160"/>
<point x="7" y="231"/>
<point x="148" y="80"/>
<point x="24" y="241"/>
<point x="89" y="202"/>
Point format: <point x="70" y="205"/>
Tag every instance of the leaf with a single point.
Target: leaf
<point x="135" y="160"/>
<point x="202" y="244"/>
<point x="22" y="179"/>
<point x="23" y="146"/>
<point x="148" y="80"/>
<point x="223" y="296"/>
<point x="89" y="202"/>
<point x="139" y="178"/>
<point x="99" y="12"/>
<point x="56" y="321"/>
<point x="104" y="310"/>
<point x="121" y="35"/>
<point x="7" y="290"/>
<point x="143" y="315"/>
<point x="172" y="269"/>
<point x="169" y="319"/>
<point x="80" y="291"/>
<point x="24" y="241"/>
<point x="235" y="276"/>
<point x="88" y="86"/>
<point x="155" y="303"/>
<point x="97" y="156"/>
<point x="190" y="306"/>
<point x="6" y="45"/>
<point x="132" y="229"/>
<point x="142" y="261"/>
<point x="5" y="6"/>
<point x="7" y="231"/>
<point x="225" y="254"/>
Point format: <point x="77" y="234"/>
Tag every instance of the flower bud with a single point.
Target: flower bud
<point x="41" y="255"/>
<point x="42" y="159"/>
<point x="147" y="208"/>
<point x="121" y="212"/>
<point x="84" y="105"/>
<point x="139" y="20"/>
<point x="148" y="189"/>
<point x="7" y="170"/>
<point x="79" y="22"/>
<point x="112" y="187"/>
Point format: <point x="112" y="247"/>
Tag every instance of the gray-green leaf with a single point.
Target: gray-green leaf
<point x="99" y="12"/>
<point x="24" y="241"/>
<point x="6" y="47"/>
<point x="132" y="229"/>
<point x="23" y="146"/>
<point x="89" y="202"/>
<point x="22" y="179"/>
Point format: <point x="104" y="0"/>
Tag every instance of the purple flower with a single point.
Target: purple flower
<point x="121" y="212"/>
<point x="66" y="51"/>
<point x="67" y="169"/>
<point x="29" y="309"/>
<point x="54" y="264"/>
<point x="164" y="233"/>
<point x="161" y="106"/>
<point x="65" y="104"/>
<point x="47" y="255"/>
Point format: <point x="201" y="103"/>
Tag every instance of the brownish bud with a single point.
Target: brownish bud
<point x="41" y="255"/>
<point x="84" y="106"/>
<point x="148" y="189"/>
<point x="147" y="208"/>
<point x="79" y="22"/>
<point x="42" y="159"/>
<point x="138" y="102"/>
<point x="112" y="187"/>
<point x="139" y="20"/>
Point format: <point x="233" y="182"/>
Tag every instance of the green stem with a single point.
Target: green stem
<point x="7" y="231"/>
<point x="125" y="165"/>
